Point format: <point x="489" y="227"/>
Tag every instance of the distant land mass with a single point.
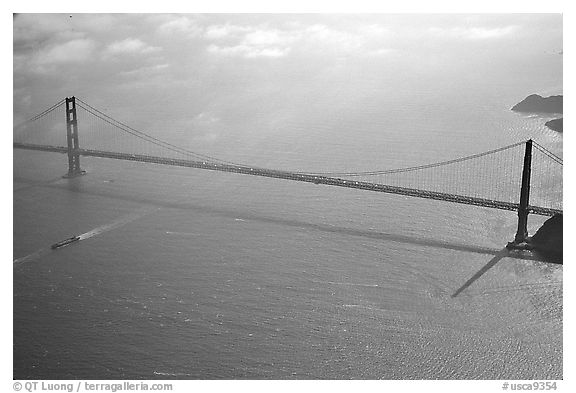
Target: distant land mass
<point x="556" y="125"/>
<point x="535" y="103"/>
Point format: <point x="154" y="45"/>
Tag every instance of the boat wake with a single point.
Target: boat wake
<point x="94" y="232"/>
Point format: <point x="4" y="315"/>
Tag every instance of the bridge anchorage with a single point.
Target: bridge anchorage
<point x="490" y="179"/>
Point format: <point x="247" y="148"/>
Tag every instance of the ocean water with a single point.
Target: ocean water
<point x="192" y="274"/>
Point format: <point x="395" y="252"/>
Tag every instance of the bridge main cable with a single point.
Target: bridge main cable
<point x="42" y="114"/>
<point x="142" y="135"/>
<point x="548" y="153"/>
<point x="415" y="168"/>
<point x="149" y="138"/>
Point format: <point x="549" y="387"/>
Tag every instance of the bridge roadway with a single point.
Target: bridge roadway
<point x="332" y="181"/>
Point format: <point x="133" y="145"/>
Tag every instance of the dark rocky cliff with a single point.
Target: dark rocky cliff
<point x="538" y="104"/>
<point x="548" y="239"/>
<point x="556" y="125"/>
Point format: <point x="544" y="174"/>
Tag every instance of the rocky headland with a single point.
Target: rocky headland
<point x="537" y="104"/>
<point x="556" y="125"/>
<point x="548" y="239"/>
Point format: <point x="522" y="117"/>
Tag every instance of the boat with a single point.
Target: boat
<point x="65" y="242"/>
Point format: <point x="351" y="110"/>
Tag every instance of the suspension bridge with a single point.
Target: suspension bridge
<point x="525" y="177"/>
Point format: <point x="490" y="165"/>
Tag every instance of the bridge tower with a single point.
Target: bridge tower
<point x="72" y="139"/>
<point x="523" y="209"/>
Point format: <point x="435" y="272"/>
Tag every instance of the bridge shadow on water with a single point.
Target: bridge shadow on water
<point x="501" y="254"/>
<point x="505" y="253"/>
<point x="250" y="216"/>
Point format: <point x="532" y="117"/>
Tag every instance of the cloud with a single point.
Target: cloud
<point x="37" y="27"/>
<point x="326" y="36"/>
<point x="34" y="30"/>
<point x="216" y="32"/>
<point x="473" y="33"/>
<point x="75" y="51"/>
<point x="146" y="71"/>
<point x="130" y="46"/>
<point x="269" y="37"/>
<point x="263" y="41"/>
<point x="180" y="25"/>
<point x="249" y="42"/>
<point x="248" y="51"/>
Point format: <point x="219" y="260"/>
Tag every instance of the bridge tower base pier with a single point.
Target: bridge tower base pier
<point x="74" y="169"/>
<point x="74" y="174"/>
<point x="523" y="208"/>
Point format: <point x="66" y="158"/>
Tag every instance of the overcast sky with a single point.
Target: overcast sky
<point x="199" y="67"/>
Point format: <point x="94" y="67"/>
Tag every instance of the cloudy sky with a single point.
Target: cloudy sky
<point x="195" y="69"/>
